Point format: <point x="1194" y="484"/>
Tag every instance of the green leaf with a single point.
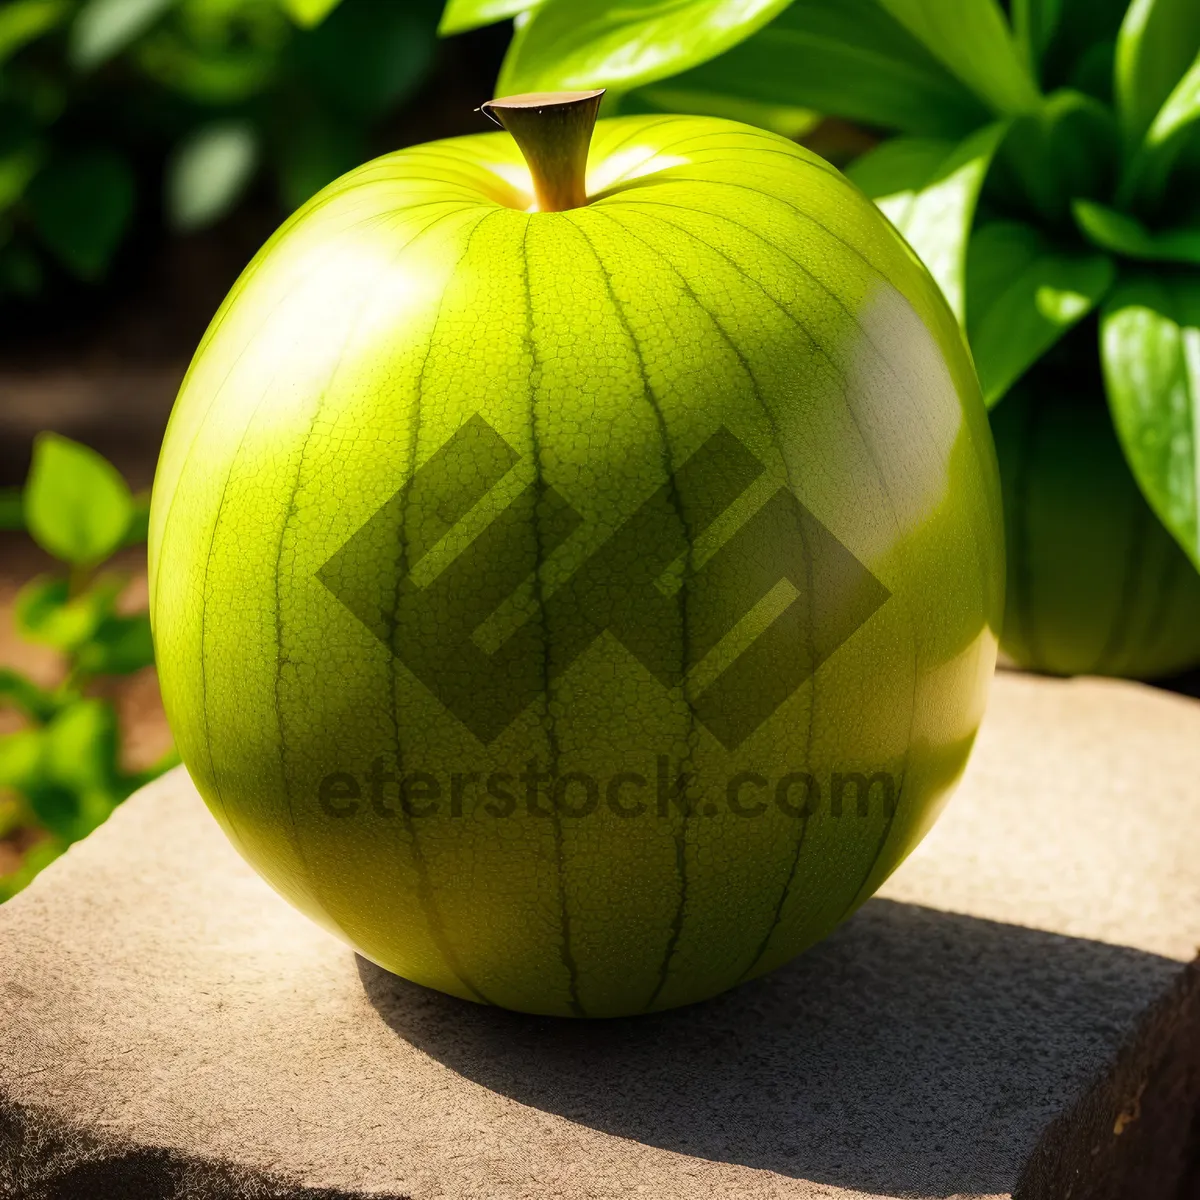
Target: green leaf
<point x="120" y="646"/>
<point x="81" y="746"/>
<point x="209" y="172"/>
<point x="25" y="696"/>
<point x="928" y="189"/>
<point x="21" y="760"/>
<point x="625" y="43"/>
<point x="1034" y="23"/>
<point x="845" y="58"/>
<point x="1166" y="137"/>
<point x="309" y="13"/>
<point x="25" y="21"/>
<point x="1123" y="234"/>
<point x="781" y="119"/>
<point x="46" y="612"/>
<point x="77" y="506"/>
<point x="81" y="208"/>
<point x="105" y="27"/>
<point x="462" y="15"/>
<point x="1022" y="296"/>
<point x="1150" y="348"/>
<point x="972" y="38"/>
<point x="1157" y="42"/>
<point x="1068" y="148"/>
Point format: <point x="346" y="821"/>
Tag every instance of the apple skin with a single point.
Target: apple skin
<point x="719" y="277"/>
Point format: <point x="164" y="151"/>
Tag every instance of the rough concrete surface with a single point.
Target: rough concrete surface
<point x="1015" y="1014"/>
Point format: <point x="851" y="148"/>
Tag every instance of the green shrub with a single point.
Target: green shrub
<point x="104" y="102"/>
<point x="60" y="773"/>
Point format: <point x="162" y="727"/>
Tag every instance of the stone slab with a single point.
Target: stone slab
<point x="1017" y="1013"/>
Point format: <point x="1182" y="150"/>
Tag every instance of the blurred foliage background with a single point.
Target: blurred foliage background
<point x="147" y="148"/>
<point x="115" y="113"/>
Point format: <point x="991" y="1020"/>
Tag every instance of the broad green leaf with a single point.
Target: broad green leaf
<point x="309" y="13"/>
<point x="972" y="38"/>
<point x="1123" y="234"/>
<point x="105" y="27"/>
<point x="24" y="21"/>
<point x="77" y="506"/>
<point x="461" y="15"/>
<point x="844" y="58"/>
<point x="1150" y="348"/>
<point x="81" y="208"/>
<point x="625" y="43"/>
<point x="1068" y="148"/>
<point x="46" y="612"/>
<point x="1157" y="42"/>
<point x="81" y="746"/>
<point x="1151" y="165"/>
<point x="1034" y="23"/>
<point x="1022" y="296"/>
<point x="928" y="189"/>
<point x="209" y="172"/>
<point x="781" y="119"/>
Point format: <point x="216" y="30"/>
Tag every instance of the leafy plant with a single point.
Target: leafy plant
<point x="104" y="101"/>
<point x="1041" y="156"/>
<point x="60" y="773"/>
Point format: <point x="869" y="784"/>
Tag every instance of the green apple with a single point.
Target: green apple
<point x="579" y="593"/>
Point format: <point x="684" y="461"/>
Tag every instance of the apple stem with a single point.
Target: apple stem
<point x="553" y="131"/>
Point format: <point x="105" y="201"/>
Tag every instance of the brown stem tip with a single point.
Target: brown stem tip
<point x="553" y="131"/>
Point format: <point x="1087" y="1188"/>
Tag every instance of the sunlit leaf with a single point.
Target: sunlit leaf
<point x="309" y="13"/>
<point x="663" y="97"/>
<point x="461" y="15"/>
<point x="1150" y="347"/>
<point x="77" y="506"/>
<point x="1022" y="296"/>
<point x="209" y="172"/>
<point x="973" y="40"/>
<point x="105" y="27"/>
<point x="1157" y="42"/>
<point x="625" y="43"/>
<point x="1034" y="23"/>
<point x="843" y="58"/>
<point x="81" y="207"/>
<point x="1166" y="137"/>
<point x="1123" y="234"/>
<point x="928" y="189"/>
